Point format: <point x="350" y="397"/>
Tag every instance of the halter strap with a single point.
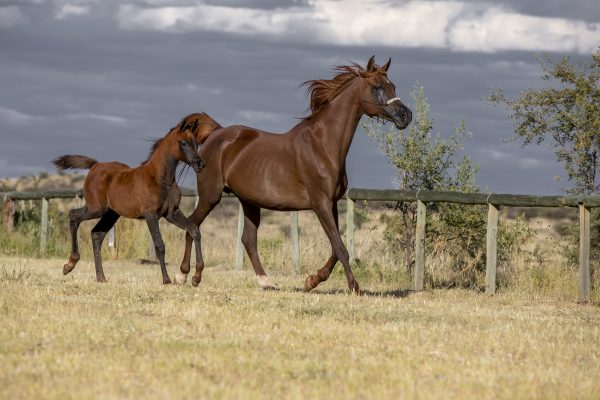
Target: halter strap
<point x="390" y="101"/>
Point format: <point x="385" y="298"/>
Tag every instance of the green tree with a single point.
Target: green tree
<point x="566" y="112"/>
<point x="426" y="161"/>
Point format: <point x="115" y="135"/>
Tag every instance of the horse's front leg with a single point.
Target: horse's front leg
<point x="324" y="211"/>
<point x="159" y="245"/>
<point x="323" y="274"/>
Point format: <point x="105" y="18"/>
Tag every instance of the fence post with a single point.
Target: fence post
<point x="419" y="272"/>
<point x="350" y="229"/>
<point x="584" y="252"/>
<point x="112" y="242"/>
<point x="295" y="241"/>
<point x="9" y="214"/>
<point x="491" y="249"/>
<point x="239" y="247"/>
<point x="151" y="248"/>
<point x="44" y="226"/>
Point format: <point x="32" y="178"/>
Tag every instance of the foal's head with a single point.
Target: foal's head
<point x="378" y="96"/>
<point x="187" y="147"/>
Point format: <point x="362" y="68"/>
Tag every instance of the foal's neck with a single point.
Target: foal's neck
<point x="162" y="165"/>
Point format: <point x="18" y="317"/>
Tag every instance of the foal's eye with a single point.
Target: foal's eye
<point x="182" y="143"/>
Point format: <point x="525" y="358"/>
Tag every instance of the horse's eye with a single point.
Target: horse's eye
<point x="182" y="143"/>
<point x="378" y="87"/>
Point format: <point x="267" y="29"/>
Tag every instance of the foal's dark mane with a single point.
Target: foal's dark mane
<point x="321" y="91"/>
<point x="156" y="142"/>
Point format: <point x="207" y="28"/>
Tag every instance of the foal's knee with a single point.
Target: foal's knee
<point x="195" y="233"/>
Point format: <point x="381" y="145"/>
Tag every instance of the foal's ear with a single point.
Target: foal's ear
<point x="371" y="63"/>
<point x="385" y="66"/>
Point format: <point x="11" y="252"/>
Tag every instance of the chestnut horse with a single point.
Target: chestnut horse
<point x="112" y="189"/>
<point x="302" y="169"/>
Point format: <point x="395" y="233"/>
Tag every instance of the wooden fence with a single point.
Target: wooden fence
<point x="492" y="200"/>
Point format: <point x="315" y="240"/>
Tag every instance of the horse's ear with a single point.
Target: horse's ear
<point x="371" y="63"/>
<point x="386" y="65"/>
<point x="195" y="125"/>
<point x="184" y="125"/>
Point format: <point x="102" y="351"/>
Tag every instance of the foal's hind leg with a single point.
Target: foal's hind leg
<point x="323" y="274"/>
<point x="98" y="233"/>
<point x="178" y="219"/>
<point x="159" y="245"/>
<point x="249" y="239"/>
<point x="76" y="216"/>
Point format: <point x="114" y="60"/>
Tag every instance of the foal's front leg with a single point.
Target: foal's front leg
<point x="159" y="245"/>
<point x="178" y="219"/>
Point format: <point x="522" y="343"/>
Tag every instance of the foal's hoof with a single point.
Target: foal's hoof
<point x="180" y="279"/>
<point x="311" y="282"/>
<point x="68" y="267"/>
<point x="196" y="280"/>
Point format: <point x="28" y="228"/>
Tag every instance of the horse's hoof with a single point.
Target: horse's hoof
<point x="101" y="279"/>
<point x="166" y="281"/>
<point x="180" y="279"/>
<point x="264" y="282"/>
<point x="311" y="282"/>
<point x="68" y="267"/>
<point x="195" y="281"/>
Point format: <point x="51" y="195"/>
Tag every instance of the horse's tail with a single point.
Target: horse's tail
<point x="74" y="162"/>
<point x="200" y="124"/>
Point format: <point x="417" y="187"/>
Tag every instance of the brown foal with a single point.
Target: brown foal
<point x="112" y="190"/>
<point x="302" y="169"/>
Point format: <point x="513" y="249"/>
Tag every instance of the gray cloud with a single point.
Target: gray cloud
<point x="81" y="84"/>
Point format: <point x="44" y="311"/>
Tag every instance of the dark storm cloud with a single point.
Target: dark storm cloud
<point x="74" y="80"/>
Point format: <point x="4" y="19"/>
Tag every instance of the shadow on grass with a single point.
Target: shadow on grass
<point x="398" y="293"/>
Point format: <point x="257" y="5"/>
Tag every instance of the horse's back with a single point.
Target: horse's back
<point x="253" y="163"/>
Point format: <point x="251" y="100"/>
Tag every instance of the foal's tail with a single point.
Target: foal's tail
<point x="74" y="162"/>
<point x="200" y="124"/>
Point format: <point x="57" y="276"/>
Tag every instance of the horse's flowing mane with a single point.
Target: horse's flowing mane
<point x="322" y="91"/>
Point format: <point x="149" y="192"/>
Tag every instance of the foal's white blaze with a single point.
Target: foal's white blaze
<point x="263" y="281"/>
<point x="180" y="278"/>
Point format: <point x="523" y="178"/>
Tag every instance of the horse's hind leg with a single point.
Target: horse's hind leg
<point x="249" y="239"/>
<point x="178" y="219"/>
<point x="76" y="216"/>
<point x="323" y="274"/>
<point x="159" y="245"/>
<point x="98" y="233"/>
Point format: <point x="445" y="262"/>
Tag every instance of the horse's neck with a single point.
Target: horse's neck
<point x="337" y="124"/>
<point x="162" y="165"/>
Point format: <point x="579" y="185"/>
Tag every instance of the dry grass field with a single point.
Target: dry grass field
<point x="68" y="337"/>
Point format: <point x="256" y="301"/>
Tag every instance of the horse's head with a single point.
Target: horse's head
<point x="188" y="149"/>
<point x="378" y="96"/>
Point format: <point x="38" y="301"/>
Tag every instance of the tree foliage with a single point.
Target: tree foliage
<point x="427" y="161"/>
<point x="566" y="112"/>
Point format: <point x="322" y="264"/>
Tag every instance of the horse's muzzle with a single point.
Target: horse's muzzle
<point x="402" y="117"/>
<point x="197" y="165"/>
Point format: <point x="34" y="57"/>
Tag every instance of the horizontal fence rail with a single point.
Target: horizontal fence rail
<point x="493" y="200"/>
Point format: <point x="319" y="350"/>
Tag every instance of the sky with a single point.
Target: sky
<point x="100" y="77"/>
